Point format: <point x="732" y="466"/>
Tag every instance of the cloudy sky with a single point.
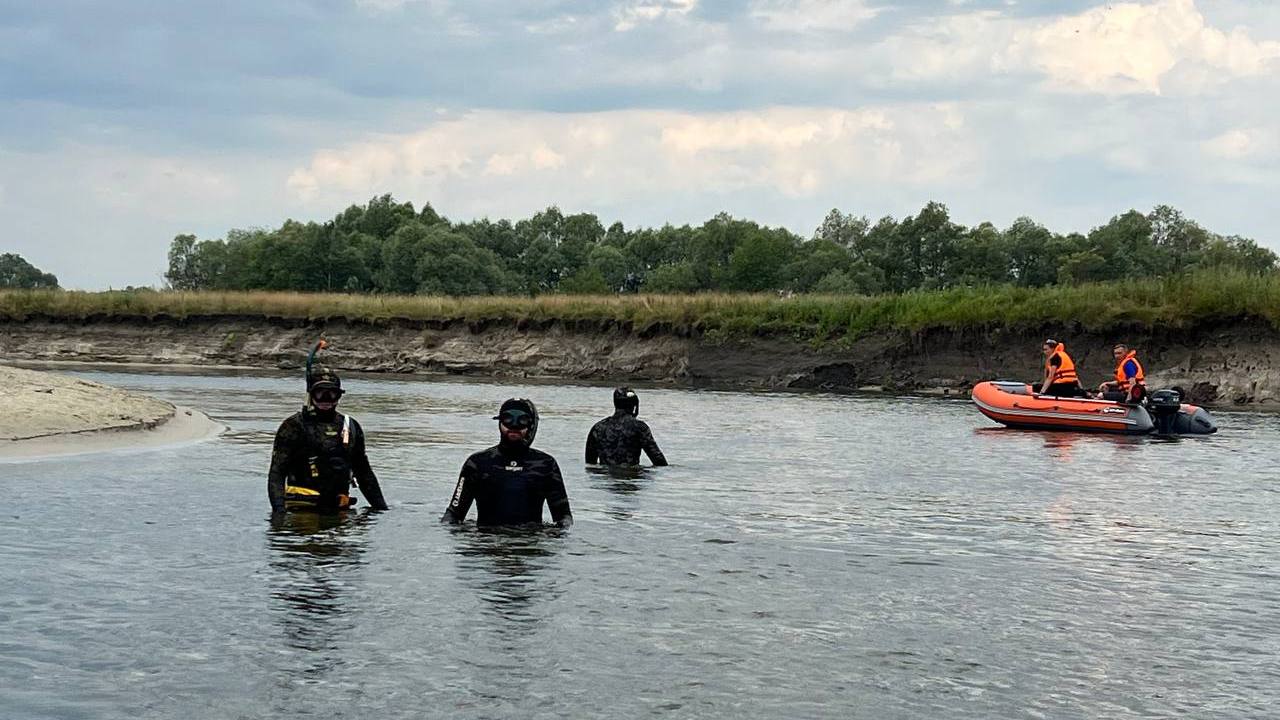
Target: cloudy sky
<point x="125" y="123"/>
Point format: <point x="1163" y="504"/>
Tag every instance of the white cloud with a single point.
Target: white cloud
<point x="554" y="25"/>
<point x="1243" y="144"/>
<point x="1160" y="47"/>
<point x="534" y="159"/>
<point x="1231" y="145"/>
<point x="952" y="48"/>
<point x="1132" y="48"/>
<point x="633" y="13"/>
<point x="811" y="15"/>
<point x="613" y="156"/>
<point x="384" y="5"/>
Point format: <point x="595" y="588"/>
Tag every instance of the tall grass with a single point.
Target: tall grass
<point x="1175" y="302"/>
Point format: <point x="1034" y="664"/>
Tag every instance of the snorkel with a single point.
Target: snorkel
<point x="307" y="372"/>
<point x="311" y="360"/>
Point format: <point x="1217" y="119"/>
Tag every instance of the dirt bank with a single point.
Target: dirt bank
<point x="49" y="414"/>
<point x="1226" y="363"/>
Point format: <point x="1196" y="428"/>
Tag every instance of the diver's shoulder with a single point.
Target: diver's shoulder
<point x="536" y="454"/>
<point x="485" y="454"/>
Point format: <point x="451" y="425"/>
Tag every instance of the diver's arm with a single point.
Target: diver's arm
<point x="593" y="448"/>
<point x="363" y="471"/>
<point x="463" y="495"/>
<point x="558" y="497"/>
<point x="651" y="448"/>
<point x="281" y="453"/>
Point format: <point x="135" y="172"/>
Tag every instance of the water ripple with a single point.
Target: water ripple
<point x="805" y="556"/>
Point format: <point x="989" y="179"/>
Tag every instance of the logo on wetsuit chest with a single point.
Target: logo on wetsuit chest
<point x="514" y="466"/>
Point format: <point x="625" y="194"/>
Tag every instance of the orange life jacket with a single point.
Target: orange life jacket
<point x="1064" y="373"/>
<point x="1122" y="381"/>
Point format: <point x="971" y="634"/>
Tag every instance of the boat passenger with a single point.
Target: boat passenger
<point x="1130" y="382"/>
<point x="510" y="481"/>
<point x="1060" y="377"/>
<point x="619" y="438"/>
<point x="318" y="451"/>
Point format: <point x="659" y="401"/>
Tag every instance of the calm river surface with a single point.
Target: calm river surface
<point x="806" y="556"/>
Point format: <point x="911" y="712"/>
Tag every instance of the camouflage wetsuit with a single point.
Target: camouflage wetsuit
<point x="309" y="452"/>
<point x="509" y="484"/>
<point x="618" y="440"/>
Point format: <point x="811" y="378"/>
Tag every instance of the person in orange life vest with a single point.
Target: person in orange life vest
<point x="1060" y="377"/>
<point x="1130" y="383"/>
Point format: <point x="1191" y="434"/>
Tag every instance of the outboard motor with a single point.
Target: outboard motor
<point x="1165" y="405"/>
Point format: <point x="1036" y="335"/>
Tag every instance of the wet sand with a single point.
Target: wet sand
<point x="44" y="414"/>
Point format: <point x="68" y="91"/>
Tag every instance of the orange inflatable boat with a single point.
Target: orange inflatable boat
<point x="1017" y="405"/>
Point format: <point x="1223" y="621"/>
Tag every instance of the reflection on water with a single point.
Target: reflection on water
<point x="623" y="483"/>
<point x="510" y="569"/>
<point x="314" y="563"/>
<point x="1061" y="446"/>
<point x="805" y="556"/>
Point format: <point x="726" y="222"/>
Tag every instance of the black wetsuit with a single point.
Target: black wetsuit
<point x="509" y="484"/>
<point x="309" y="452"/>
<point x="618" y="440"/>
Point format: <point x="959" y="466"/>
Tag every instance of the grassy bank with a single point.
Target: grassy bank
<point x="1174" y="302"/>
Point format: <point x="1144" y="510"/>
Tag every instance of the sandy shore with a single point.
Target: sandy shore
<point x="44" y="414"/>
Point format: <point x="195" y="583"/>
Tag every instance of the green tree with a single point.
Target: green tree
<point x="541" y="265"/>
<point x="1126" y="247"/>
<point x="1083" y="266"/>
<point x="837" y="282"/>
<point x="380" y="217"/>
<point x="17" y="273"/>
<point x="401" y="254"/>
<point x="844" y="230"/>
<point x="182" y="273"/>
<point x="1031" y="253"/>
<point x="674" y="278"/>
<point x="616" y="236"/>
<point x="981" y="256"/>
<point x="1239" y="254"/>
<point x="611" y="265"/>
<point x="758" y="261"/>
<point x="813" y="261"/>
<point x="587" y="281"/>
<point x="453" y="265"/>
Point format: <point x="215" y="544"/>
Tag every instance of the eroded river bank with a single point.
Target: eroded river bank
<point x="1218" y="364"/>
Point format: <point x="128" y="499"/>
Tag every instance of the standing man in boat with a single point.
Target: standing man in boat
<point x="318" y="451"/>
<point x="1060" y="377"/>
<point x="619" y="438"/>
<point x="1130" y="383"/>
<point x="511" y="481"/>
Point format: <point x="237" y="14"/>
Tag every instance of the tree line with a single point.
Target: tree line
<point x="385" y="246"/>
<point x="17" y="273"/>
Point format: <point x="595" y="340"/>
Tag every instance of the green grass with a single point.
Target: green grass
<point x="1174" y="302"/>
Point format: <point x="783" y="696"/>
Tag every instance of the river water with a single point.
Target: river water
<point x="805" y="556"/>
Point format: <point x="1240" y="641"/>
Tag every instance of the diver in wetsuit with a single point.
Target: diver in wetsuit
<point x="317" y="453"/>
<point x="618" y="439"/>
<point x="510" y="481"/>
